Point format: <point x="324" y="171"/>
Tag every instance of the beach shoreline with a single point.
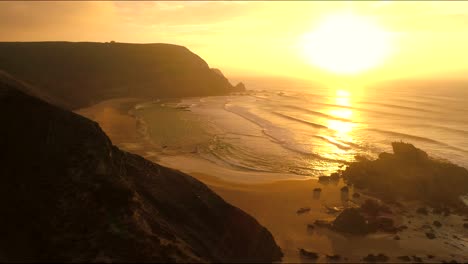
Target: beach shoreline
<point x="274" y="200"/>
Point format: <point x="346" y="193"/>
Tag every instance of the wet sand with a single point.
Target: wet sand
<point x="274" y="202"/>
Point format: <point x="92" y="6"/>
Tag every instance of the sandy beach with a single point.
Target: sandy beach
<point x="274" y="200"/>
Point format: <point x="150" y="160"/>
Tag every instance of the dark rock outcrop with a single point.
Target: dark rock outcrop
<point x="240" y="87"/>
<point x="308" y="254"/>
<point x="83" y="73"/>
<point x="410" y="173"/>
<point x="430" y="235"/>
<point x="67" y="194"/>
<point x="364" y="220"/>
<point x="351" y="221"/>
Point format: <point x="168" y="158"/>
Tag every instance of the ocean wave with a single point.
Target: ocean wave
<point x="417" y="138"/>
<point x="300" y="120"/>
<point x="316" y="113"/>
<point x="399" y="107"/>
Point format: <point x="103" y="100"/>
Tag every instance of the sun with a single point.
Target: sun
<point x="346" y="44"/>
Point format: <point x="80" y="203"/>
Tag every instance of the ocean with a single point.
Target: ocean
<point x="309" y="130"/>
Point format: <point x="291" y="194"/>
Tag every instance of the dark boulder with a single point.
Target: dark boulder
<point x="430" y="235"/>
<point x="374" y="208"/>
<point x="308" y="254"/>
<point x="351" y="221"/>
<point x="303" y="210"/>
<point x="382" y="224"/>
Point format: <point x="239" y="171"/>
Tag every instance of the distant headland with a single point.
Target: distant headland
<point x="79" y="74"/>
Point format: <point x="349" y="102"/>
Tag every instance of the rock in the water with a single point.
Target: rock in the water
<point x="465" y="225"/>
<point x="430" y="235"/>
<point x="311" y="226"/>
<point x="240" y="87"/>
<point x="437" y="223"/>
<point x="396" y="237"/>
<point x="308" y="254"/>
<point x="417" y="259"/>
<point x="351" y="221"/>
<point x="375" y="258"/>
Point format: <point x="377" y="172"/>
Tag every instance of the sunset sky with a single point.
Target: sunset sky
<point x="264" y="38"/>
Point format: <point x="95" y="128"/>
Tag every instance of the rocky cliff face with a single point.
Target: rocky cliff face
<point x="84" y="73"/>
<point x="68" y="194"/>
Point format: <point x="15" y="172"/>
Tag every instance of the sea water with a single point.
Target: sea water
<point x="310" y="131"/>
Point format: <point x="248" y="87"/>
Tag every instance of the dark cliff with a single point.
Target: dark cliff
<point x="68" y="194"/>
<point x="84" y="73"/>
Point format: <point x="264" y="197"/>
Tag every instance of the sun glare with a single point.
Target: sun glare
<point x="346" y="44"/>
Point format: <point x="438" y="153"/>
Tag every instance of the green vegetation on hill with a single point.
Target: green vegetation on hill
<point x="84" y="73"/>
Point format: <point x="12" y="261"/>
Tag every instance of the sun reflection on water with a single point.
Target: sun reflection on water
<point x="343" y="124"/>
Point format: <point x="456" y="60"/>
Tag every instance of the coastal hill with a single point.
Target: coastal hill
<point x="82" y="73"/>
<point x="68" y="194"/>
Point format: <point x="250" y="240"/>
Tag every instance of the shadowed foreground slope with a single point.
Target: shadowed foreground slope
<point x="83" y="73"/>
<point x="68" y="194"/>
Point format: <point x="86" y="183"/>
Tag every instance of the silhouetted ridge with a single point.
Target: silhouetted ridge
<point x="84" y="73"/>
<point x="67" y="194"/>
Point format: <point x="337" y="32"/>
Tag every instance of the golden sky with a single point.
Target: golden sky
<point x="258" y="38"/>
